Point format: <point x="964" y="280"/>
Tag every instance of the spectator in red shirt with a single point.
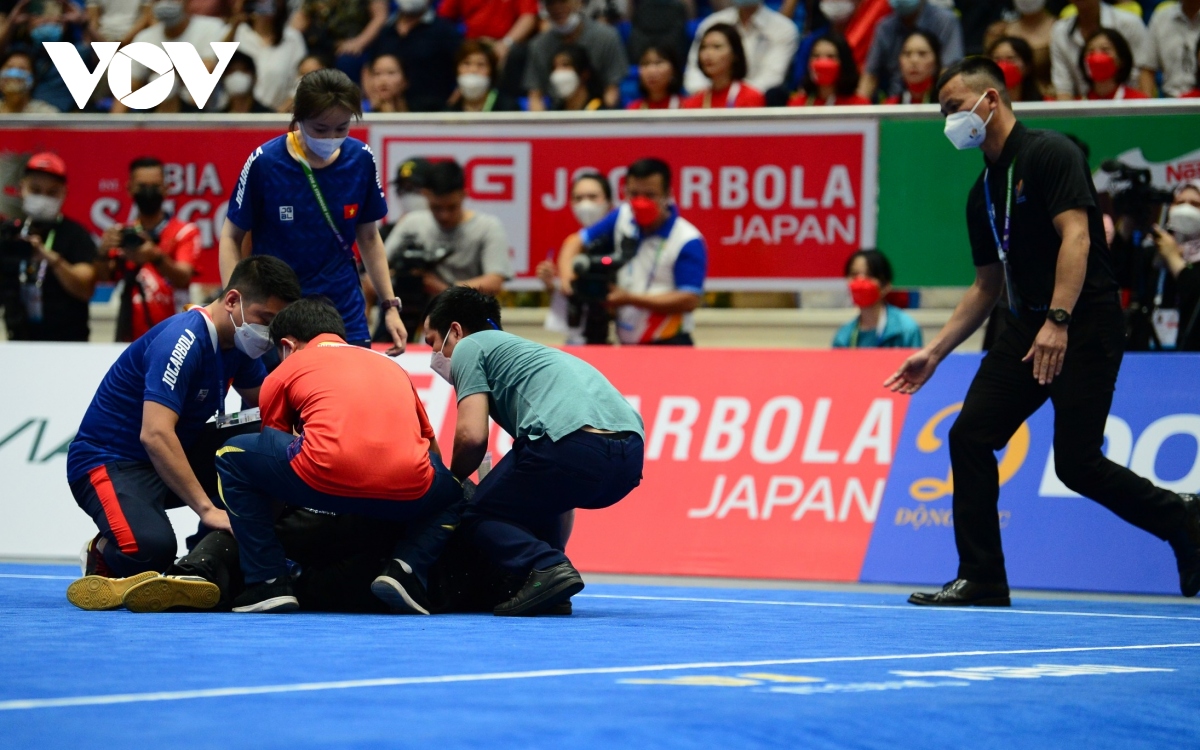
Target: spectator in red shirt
<point x="156" y="255"/>
<point x="504" y="23"/>
<point x="660" y="78"/>
<point x="831" y="78"/>
<point x="1106" y="63"/>
<point x="723" y="61"/>
<point x="920" y="63"/>
<point x="343" y="432"/>
<point x="1015" y="57"/>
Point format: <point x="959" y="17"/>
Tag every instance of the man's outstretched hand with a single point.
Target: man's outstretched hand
<point x="913" y="373"/>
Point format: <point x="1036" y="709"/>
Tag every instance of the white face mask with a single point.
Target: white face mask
<point x="1027" y="7"/>
<point x="473" y="86"/>
<point x="410" y="202"/>
<point x="588" y="213"/>
<point x="1184" y="221"/>
<point x="569" y="25"/>
<point x="967" y="129"/>
<point x="251" y="339"/>
<point x="239" y="83"/>
<point x="837" y="10"/>
<point x="564" y="82"/>
<point x="41" y="207"/>
<point x="412" y="7"/>
<point x="440" y="363"/>
<point x="322" y="148"/>
<point x="169" y="12"/>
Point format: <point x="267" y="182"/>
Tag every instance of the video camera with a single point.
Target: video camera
<point x="414" y="257"/>
<point x="1136" y="198"/>
<point x="596" y="271"/>
<point x="14" y="248"/>
<point x="409" y="263"/>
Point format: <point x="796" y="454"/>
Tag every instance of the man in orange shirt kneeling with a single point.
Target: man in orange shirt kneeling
<point x="362" y="444"/>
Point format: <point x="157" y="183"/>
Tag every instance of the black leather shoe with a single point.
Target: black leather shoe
<point x="963" y="593"/>
<point x="1186" y="544"/>
<point x="543" y="591"/>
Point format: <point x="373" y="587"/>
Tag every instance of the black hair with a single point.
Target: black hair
<point x="241" y="58"/>
<point x="306" y="319"/>
<point x="934" y="43"/>
<point x="847" y="82"/>
<point x="738" y="70"/>
<point x="1029" y="89"/>
<point x="1124" y="55"/>
<point x="648" y="167"/>
<point x="323" y="90"/>
<point x="145" y="162"/>
<point x="878" y="266"/>
<point x="581" y="62"/>
<point x="671" y="55"/>
<point x="597" y="177"/>
<point x="20" y="53"/>
<point x="470" y="308"/>
<point x="261" y="277"/>
<point x="444" y="178"/>
<point x="975" y="66"/>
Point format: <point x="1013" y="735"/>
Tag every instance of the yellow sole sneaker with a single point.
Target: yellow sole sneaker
<point x="95" y="593"/>
<point x="171" y="591"/>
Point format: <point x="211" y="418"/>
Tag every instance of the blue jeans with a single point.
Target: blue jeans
<point x="514" y="516"/>
<point x="255" y="470"/>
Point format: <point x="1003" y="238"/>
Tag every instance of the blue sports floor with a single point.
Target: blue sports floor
<point x="636" y="666"/>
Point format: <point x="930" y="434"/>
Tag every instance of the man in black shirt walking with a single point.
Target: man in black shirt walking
<point x="46" y="261"/>
<point x="1035" y="232"/>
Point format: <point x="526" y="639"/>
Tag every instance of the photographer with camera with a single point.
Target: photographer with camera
<point x="155" y="256"/>
<point x="47" y="272"/>
<point x="643" y="260"/>
<point x="446" y="245"/>
<point x="1179" y="248"/>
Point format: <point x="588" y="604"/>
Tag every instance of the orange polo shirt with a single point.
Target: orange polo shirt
<point x="363" y="431"/>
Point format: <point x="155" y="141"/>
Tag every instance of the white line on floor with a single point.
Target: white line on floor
<point x="905" y="607"/>
<point x="42" y="578"/>
<point x="179" y="695"/>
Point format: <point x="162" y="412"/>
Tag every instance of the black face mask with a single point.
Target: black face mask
<point x="149" y="200"/>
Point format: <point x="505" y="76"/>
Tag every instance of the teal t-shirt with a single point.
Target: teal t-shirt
<point x="900" y="330"/>
<point x="536" y="391"/>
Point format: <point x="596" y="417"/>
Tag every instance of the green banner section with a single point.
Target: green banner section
<point x="923" y="183"/>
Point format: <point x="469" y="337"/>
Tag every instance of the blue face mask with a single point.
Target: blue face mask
<point x="905" y="7"/>
<point x="16" y="74"/>
<point x="51" y="32"/>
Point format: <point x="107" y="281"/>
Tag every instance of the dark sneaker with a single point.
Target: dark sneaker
<point x="97" y="592"/>
<point x="963" y="593"/>
<point x="543" y="590"/>
<point x="91" y="562"/>
<point x="562" y="608"/>
<point x="400" y="589"/>
<point x="167" y="592"/>
<point x="267" y="597"/>
<point x="1186" y="544"/>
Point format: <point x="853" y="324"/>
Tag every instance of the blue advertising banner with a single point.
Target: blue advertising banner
<point x="1053" y="538"/>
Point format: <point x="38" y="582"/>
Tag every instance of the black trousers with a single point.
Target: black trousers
<point x="1004" y="394"/>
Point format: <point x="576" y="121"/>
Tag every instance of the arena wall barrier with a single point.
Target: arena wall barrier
<point x="766" y="464"/>
<point x="782" y="195"/>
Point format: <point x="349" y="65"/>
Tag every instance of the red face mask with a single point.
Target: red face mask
<point x="1012" y="74"/>
<point x="1101" y="66"/>
<point x="645" y="211"/>
<point x="825" y="71"/>
<point x="864" y="292"/>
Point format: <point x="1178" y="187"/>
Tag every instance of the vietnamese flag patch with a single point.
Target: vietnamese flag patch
<point x="350" y="211"/>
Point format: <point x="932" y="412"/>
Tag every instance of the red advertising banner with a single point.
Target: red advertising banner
<point x="777" y="203"/>
<point x="759" y="464"/>
<point x="201" y="165"/>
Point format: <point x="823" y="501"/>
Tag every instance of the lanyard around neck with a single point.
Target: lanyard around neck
<point x="1002" y="245"/>
<point x="731" y="96"/>
<point x="316" y="190"/>
<point x="44" y="265"/>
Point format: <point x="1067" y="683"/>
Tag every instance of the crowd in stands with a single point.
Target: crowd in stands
<point x="508" y="55"/>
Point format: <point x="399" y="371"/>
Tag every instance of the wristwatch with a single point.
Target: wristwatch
<point x="389" y="303"/>
<point x="1058" y="316"/>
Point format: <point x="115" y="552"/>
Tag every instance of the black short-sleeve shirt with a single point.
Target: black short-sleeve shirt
<point x="65" y="318"/>
<point x="1050" y="176"/>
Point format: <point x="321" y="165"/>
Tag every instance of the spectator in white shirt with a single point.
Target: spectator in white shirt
<point x="1068" y="36"/>
<point x="276" y="48"/>
<point x="1174" y="29"/>
<point x="769" y="38"/>
<point x="117" y="20"/>
<point x="173" y="24"/>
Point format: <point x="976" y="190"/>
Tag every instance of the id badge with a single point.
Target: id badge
<point x="31" y="296"/>
<point x="239" y="417"/>
<point x="1166" y="327"/>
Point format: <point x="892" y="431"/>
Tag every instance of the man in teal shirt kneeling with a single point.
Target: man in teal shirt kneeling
<point x="577" y="443"/>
